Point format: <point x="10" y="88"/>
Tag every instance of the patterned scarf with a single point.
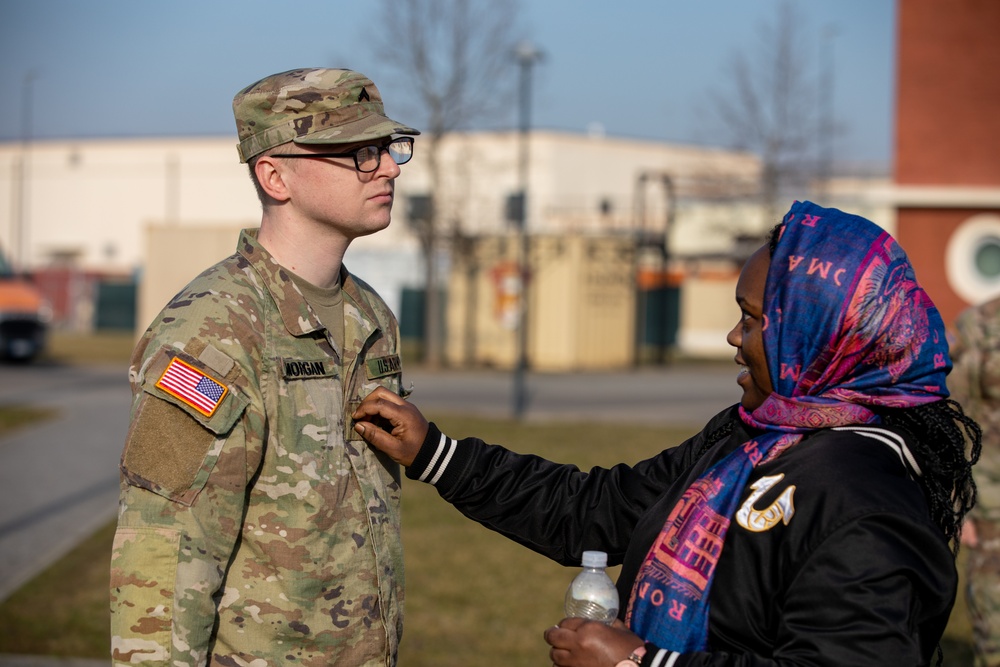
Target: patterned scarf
<point x="846" y="327"/>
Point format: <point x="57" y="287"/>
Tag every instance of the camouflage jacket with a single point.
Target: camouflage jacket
<point x="975" y="383"/>
<point x="255" y="527"/>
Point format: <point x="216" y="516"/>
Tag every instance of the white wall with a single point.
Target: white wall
<point x="90" y="201"/>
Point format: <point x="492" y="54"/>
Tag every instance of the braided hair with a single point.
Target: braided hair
<point x="946" y="443"/>
<point x="937" y="435"/>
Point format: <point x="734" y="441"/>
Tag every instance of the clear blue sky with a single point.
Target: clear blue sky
<point x="641" y="69"/>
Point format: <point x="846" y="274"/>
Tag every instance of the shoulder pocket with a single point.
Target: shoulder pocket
<point x="176" y="435"/>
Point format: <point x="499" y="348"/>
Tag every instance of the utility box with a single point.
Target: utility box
<point x="581" y="300"/>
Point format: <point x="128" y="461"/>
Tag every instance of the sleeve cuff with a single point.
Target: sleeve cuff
<point x="434" y="457"/>
<point x="660" y="657"/>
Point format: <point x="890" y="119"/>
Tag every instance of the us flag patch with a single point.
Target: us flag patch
<point x="192" y="386"/>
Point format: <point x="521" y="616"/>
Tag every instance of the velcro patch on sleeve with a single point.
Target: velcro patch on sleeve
<point x="192" y="386"/>
<point x="166" y="451"/>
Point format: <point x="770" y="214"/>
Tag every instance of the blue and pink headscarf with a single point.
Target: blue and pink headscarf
<point x="846" y="329"/>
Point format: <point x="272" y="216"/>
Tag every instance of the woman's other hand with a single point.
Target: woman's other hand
<point x="577" y="642"/>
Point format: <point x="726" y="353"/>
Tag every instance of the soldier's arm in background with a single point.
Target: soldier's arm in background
<point x="963" y="384"/>
<point x="964" y="381"/>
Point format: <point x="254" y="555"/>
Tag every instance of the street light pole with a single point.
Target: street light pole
<point x="19" y="240"/>
<point x="527" y="55"/>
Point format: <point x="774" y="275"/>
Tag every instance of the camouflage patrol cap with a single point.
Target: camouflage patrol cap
<point x="310" y="106"/>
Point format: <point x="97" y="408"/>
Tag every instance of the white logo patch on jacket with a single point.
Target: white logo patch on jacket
<point x="781" y="510"/>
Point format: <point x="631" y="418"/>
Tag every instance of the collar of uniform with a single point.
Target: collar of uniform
<point x="355" y="295"/>
<point x="360" y="320"/>
<point x="296" y="314"/>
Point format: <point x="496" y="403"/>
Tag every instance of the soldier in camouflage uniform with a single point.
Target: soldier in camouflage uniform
<point x="255" y="527"/>
<point x="975" y="383"/>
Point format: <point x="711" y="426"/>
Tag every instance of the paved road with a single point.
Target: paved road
<point x="59" y="479"/>
<point x="682" y="394"/>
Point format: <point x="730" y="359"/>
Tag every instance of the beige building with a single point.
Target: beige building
<point x="160" y="210"/>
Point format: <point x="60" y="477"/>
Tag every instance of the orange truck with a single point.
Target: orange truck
<point x="24" y="316"/>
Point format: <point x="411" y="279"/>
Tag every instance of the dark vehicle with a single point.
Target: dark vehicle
<point x="24" y="316"/>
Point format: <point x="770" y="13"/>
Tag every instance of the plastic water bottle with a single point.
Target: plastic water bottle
<point x="592" y="594"/>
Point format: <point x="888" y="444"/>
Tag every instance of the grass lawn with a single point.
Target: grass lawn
<point x="470" y="593"/>
<point x="13" y="417"/>
<point x="101" y="347"/>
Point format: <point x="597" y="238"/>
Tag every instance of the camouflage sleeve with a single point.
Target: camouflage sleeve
<point x="964" y="382"/>
<point x="184" y="470"/>
<point x="975" y="384"/>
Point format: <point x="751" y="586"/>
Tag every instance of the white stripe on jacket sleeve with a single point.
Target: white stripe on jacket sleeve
<point x="444" y="452"/>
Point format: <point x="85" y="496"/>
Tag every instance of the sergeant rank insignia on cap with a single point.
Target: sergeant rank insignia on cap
<point x="191" y="386"/>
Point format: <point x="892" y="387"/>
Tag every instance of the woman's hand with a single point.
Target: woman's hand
<point x="402" y="427"/>
<point x="577" y="642"/>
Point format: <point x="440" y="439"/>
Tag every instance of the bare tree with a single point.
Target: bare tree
<point x="457" y="59"/>
<point x="772" y="105"/>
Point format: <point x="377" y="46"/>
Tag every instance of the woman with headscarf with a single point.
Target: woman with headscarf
<point x="813" y="523"/>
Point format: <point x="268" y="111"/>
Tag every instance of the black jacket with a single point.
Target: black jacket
<point x="859" y="575"/>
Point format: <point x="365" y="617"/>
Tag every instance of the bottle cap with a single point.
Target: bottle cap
<point x="595" y="559"/>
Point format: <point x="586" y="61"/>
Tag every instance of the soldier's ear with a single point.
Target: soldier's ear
<point x="271" y="175"/>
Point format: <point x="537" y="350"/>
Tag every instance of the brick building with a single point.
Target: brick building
<point x="947" y="149"/>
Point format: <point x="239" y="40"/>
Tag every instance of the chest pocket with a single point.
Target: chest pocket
<point x="310" y="411"/>
<point x="377" y="370"/>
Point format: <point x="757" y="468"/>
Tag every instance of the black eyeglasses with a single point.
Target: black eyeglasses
<point x="368" y="158"/>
